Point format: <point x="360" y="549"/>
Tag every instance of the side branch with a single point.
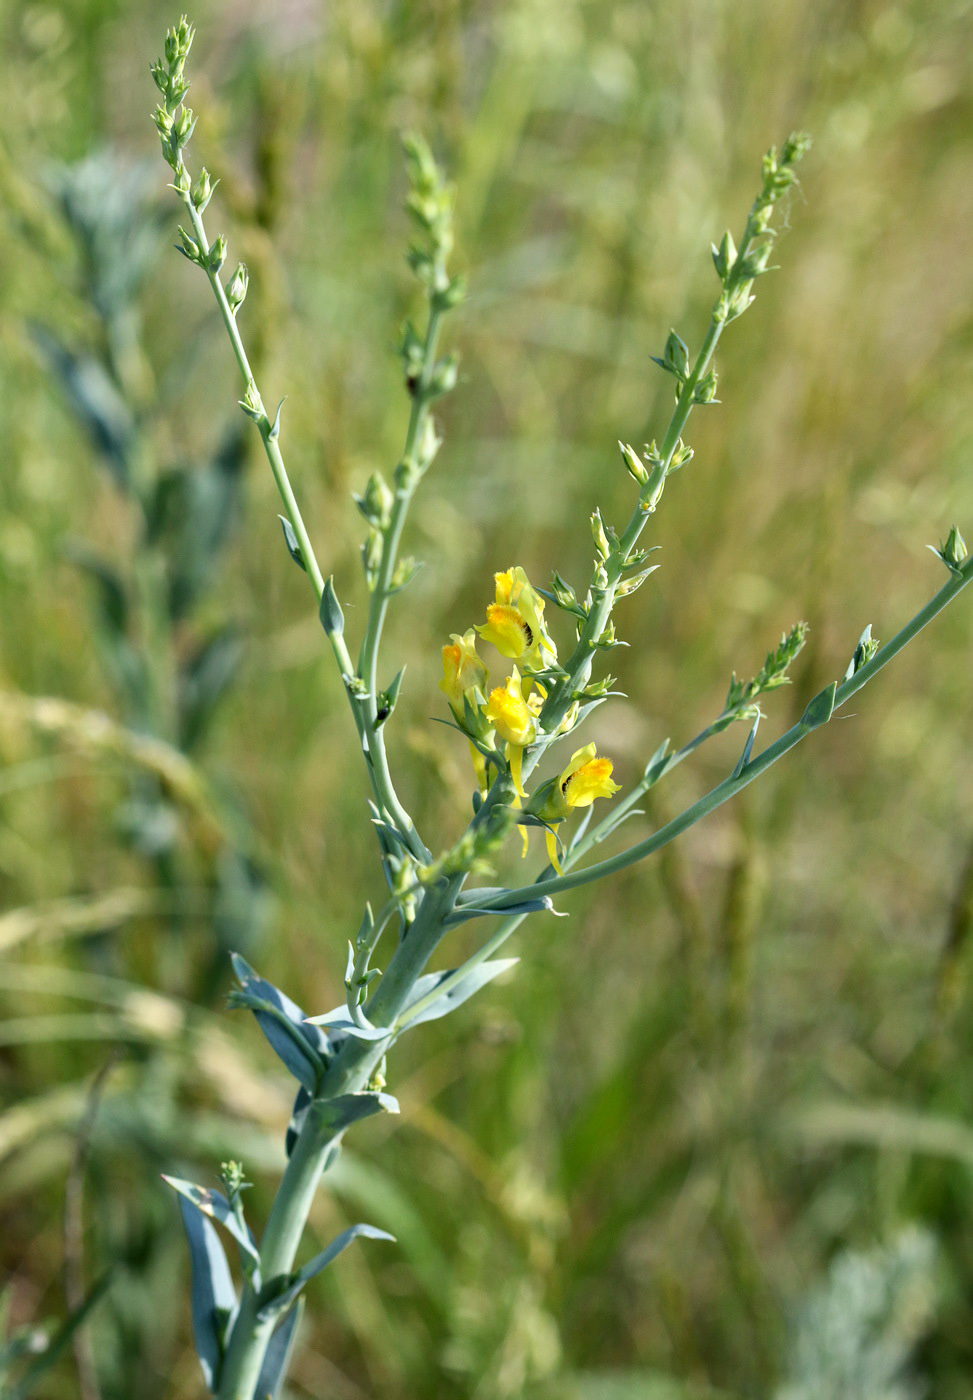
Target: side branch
<point x="818" y="712"/>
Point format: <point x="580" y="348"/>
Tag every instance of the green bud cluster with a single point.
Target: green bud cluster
<point x="430" y="202"/>
<point x="738" y="271"/>
<point x="773" y="673"/>
<point x="174" y="121"/>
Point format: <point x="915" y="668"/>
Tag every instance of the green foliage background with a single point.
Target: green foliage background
<point x="630" y="1161"/>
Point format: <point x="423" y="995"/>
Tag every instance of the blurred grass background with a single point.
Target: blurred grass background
<point x="618" y="1174"/>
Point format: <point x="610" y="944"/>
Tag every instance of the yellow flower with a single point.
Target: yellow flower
<point x="585" y="778"/>
<point x="464" y="674"/>
<point x="515" y="622"/>
<point x="511" y="717"/>
<point x="463" y="671"/>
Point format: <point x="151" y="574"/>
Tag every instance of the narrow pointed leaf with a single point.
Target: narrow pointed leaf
<point x="341" y="1020"/>
<point x="431" y="1004"/>
<point x="316" y="1266"/>
<point x="215" y="1205"/>
<point x="537" y="905"/>
<point x="213" y="1296"/>
<point x="821" y="708"/>
<point x="744" y="758"/>
<point x="303" y="1049"/>
<point x="290" y="539"/>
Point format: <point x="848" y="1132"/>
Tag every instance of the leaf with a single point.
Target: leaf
<point x="194" y="511"/>
<point x="320" y="1262"/>
<point x="332" y="618"/>
<point x="298" y="1116"/>
<point x="339" y="1113"/>
<point x="290" y="539"/>
<point x="278" y="1355"/>
<point x="821" y="708"/>
<point x="95" y="399"/>
<point x="336" y="1115"/>
<point x="744" y="758"/>
<point x="113" y="607"/>
<point x="123" y="661"/>
<point x="340" y="1019"/>
<point x="289" y="1033"/>
<point x="537" y="905"/>
<point x="455" y="991"/>
<point x="213" y="1296"/>
<point x="205" y="680"/>
<point x="215" y="1205"/>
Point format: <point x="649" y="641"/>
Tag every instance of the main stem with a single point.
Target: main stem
<point x="349" y="1073"/>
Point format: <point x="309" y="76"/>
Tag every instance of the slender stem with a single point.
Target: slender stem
<point x="732" y="785"/>
<point x="578" y="666"/>
<point x="271" y="445"/>
<point x="404" y="494"/>
<point x="363" y="712"/>
<point x="408" y="479"/>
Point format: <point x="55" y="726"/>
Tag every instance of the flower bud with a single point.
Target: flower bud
<point x="236" y="288"/>
<point x="217" y="254"/>
<point x="189" y="247"/>
<point x="598" y="535"/>
<point x="203" y="190"/>
<point x="375" y="502"/>
<point x="633" y="462"/>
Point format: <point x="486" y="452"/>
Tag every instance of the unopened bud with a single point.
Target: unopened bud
<point x="633" y="462"/>
<point x="189" y="247"/>
<point x="444" y="375"/>
<point x="705" y="391"/>
<point x="375" y="502"/>
<point x="217" y="254"/>
<point x="953" y="551"/>
<point x="203" y="190"/>
<point x="598" y="534"/>
<point x="183" y="127"/>
<point x="236" y="288"/>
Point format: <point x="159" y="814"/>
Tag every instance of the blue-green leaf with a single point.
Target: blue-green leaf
<point x="290" y="539"/>
<point x="213" y="1297"/>
<point x="294" y="1039"/>
<point x="215" y="1205"/>
<point x="341" y="1020"/>
<point x="278" y="1302"/>
<point x="457" y="987"/>
<point x="339" y="1113"/>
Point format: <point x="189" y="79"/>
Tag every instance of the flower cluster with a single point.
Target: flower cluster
<point x="502" y="722"/>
